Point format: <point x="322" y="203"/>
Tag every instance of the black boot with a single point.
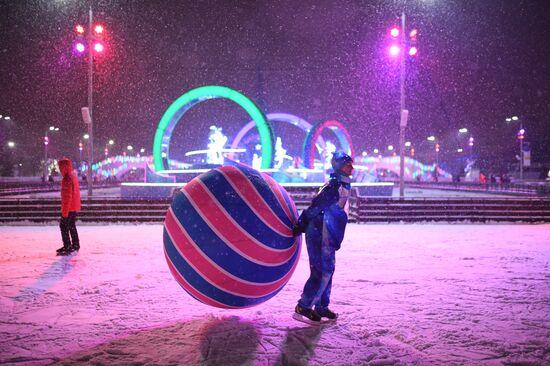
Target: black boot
<point x="326" y="313"/>
<point x="64" y="250"/>
<point x="306" y="315"/>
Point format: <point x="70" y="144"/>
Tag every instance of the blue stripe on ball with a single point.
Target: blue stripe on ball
<point x="203" y="286"/>
<point x="219" y="252"/>
<point x="240" y="211"/>
<point x="290" y="205"/>
<point x="265" y="191"/>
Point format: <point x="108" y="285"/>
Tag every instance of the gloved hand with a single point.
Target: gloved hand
<point x="296" y="230"/>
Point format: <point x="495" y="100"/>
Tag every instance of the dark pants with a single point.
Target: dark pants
<point x="68" y="231"/>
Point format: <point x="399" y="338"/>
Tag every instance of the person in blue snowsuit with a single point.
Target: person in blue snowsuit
<point x="324" y="223"/>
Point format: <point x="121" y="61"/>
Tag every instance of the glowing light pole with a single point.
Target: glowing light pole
<point x="520" y="136"/>
<point x="398" y="50"/>
<point x="46" y="143"/>
<point x="94" y="43"/>
<point x="471" y="145"/>
<point x="80" y="148"/>
<point x="106" y="150"/>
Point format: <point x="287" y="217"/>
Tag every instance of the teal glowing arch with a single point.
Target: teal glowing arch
<point x="344" y="139"/>
<point x="195" y="96"/>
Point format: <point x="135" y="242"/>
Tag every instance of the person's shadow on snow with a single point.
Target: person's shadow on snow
<point x="228" y="341"/>
<point x="54" y="273"/>
<point x="299" y="345"/>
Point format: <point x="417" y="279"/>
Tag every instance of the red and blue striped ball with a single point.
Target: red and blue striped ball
<point x="228" y="237"/>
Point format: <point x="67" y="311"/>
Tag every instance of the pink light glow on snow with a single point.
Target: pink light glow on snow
<point x="422" y="294"/>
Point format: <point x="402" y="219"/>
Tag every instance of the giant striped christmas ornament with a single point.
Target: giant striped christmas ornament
<point x="228" y="237"/>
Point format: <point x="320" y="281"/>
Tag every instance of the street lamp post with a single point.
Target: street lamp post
<point x="400" y="50"/>
<point x="437" y="148"/>
<point x="80" y="148"/>
<point x="94" y="44"/>
<point x="46" y="143"/>
<point x="403" y="113"/>
<point x="520" y="136"/>
<point x="89" y="179"/>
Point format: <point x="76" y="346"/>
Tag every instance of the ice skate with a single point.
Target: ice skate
<point x="65" y="252"/>
<point x="306" y="316"/>
<point x="327" y="313"/>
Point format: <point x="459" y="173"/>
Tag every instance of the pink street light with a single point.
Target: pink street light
<point x="98" y="47"/>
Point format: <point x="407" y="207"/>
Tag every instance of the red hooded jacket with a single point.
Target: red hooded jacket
<point x="70" y="189"/>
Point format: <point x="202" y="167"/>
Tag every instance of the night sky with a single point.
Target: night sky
<point x="479" y="62"/>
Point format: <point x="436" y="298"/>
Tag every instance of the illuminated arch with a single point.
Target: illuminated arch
<point x="414" y="170"/>
<point x="195" y="96"/>
<point x="274" y="117"/>
<point x="344" y="138"/>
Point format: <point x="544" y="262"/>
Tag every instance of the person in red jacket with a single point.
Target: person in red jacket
<point x="70" y="205"/>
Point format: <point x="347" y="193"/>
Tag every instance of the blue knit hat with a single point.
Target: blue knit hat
<point x="339" y="160"/>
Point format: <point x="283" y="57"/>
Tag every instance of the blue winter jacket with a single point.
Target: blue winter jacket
<point x="327" y="208"/>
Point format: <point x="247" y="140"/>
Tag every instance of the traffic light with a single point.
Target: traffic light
<point x="436" y="147"/>
<point x="46" y="140"/>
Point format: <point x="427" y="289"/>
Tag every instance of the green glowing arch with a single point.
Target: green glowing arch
<point x="195" y="96"/>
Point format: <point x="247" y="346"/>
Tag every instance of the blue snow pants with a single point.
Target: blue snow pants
<point x="324" y="235"/>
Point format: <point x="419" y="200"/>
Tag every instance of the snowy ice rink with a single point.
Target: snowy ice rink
<point x="407" y="294"/>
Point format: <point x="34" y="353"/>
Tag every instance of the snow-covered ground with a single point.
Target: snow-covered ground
<point x="407" y="294"/>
